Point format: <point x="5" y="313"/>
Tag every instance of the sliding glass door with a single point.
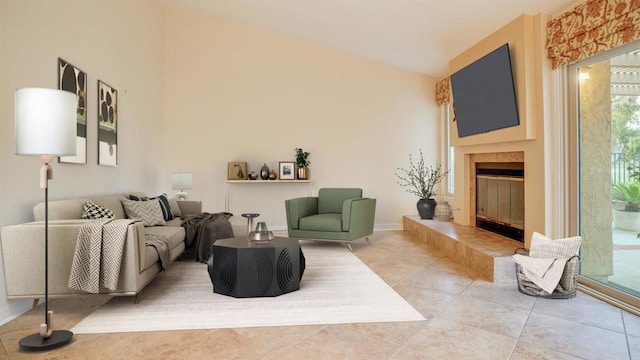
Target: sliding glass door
<point x="608" y="138"/>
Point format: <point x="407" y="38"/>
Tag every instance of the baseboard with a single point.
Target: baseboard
<point x="14" y="309"/>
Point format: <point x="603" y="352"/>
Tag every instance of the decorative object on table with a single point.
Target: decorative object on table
<point x="261" y="233"/>
<point x="302" y="162"/>
<point x="181" y="182"/>
<point x="443" y="211"/>
<point x="107" y="125"/>
<point x="237" y="170"/>
<point x="250" y="217"/>
<point x="287" y="170"/>
<point x="420" y="180"/>
<point x="252" y="175"/>
<point x="272" y="175"/>
<point x="74" y="80"/>
<point x="264" y="172"/>
<point x="45" y="125"/>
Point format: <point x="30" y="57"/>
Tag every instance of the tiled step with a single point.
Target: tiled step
<point x="485" y="254"/>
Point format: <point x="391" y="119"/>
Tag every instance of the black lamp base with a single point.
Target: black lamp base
<point x="35" y="342"/>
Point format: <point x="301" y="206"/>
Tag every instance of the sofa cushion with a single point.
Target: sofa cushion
<point x="111" y="202"/>
<point x="175" y="234"/>
<point x="167" y="214"/>
<point x="190" y="207"/>
<point x="146" y="211"/>
<point x="330" y="200"/>
<point x="91" y="210"/>
<point x="321" y="222"/>
<point x="175" y="209"/>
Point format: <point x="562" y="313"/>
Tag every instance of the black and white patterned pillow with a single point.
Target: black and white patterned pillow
<point x="167" y="214"/>
<point x="146" y="211"/>
<point x="91" y="210"/>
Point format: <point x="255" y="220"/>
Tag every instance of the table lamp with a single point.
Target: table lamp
<point x="182" y="182"/>
<point x="45" y="121"/>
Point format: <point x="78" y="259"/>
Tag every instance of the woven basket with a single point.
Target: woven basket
<point x="566" y="288"/>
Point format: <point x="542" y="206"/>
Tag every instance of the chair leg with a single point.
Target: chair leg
<point x="349" y="246"/>
<point x="367" y="238"/>
<point x="35" y="303"/>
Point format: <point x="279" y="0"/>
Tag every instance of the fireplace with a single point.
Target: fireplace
<point x="499" y="199"/>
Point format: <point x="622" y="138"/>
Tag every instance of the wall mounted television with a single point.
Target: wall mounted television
<point x="484" y="97"/>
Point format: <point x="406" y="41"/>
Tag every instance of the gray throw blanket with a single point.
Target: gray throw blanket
<point x="202" y="230"/>
<point x="98" y="254"/>
<point x="161" y="243"/>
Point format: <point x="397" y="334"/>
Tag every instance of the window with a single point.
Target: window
<point x="447" y="151"/>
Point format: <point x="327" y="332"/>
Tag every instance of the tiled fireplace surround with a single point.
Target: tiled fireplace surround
<point x="485" y="254"/>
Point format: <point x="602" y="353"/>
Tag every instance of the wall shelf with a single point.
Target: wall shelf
<point x="267" y="181"/>
<point x="260" y="182"/>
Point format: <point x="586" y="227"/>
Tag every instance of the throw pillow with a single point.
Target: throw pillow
<point x="167" y="214"/>
<point x="148" y="212"/>
<point x="91" y="210"/>
<point x="543" y="247"/>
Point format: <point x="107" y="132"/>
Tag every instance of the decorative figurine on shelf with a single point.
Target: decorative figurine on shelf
<point x="302" y="162"/>
<point x="272" y="175"/>
<point x="252" y="175"/>
<point x="264" y="172"/>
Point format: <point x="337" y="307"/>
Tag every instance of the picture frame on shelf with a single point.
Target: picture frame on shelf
<point x="237" y="170"/>
<point x="287" y="170"/>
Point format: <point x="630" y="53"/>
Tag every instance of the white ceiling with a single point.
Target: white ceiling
<point x="418" y="35"/>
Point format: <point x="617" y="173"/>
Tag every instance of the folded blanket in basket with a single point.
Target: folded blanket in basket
<point x="544" y="272"/>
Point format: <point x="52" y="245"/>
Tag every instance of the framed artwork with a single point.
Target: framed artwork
<point x="287" y="170"/>
<point x="74" y="80"/>
<point x="237" y="170"/>
<point x="107" y="125"/>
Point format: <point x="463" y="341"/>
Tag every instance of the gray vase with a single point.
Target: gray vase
<point x="264" y="172"/>
<point x="426" y="208"/>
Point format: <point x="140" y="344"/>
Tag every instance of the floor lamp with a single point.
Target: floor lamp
<point x="46" y="126"/>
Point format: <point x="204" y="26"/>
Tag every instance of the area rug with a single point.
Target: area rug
<point x="336" y="288"/>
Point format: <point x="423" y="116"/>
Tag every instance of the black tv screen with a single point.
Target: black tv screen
<point x="484" y="97"/>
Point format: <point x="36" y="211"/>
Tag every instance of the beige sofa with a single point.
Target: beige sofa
<point x="23" y="247"/>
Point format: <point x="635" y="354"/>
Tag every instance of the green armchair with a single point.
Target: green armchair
<point x="334" y="215"/>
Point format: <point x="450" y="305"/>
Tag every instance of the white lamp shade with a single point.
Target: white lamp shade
<point x="45" y="122"/>
<point x="181" y="181"/>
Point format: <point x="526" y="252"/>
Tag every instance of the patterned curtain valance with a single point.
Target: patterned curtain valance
<point x="443" y="91"/>
<point x="591" y="28"/>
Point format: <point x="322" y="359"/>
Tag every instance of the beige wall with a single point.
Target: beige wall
<point x="234" y="93"/>
<point x="196" y="93"/>
<point x="120" y="42"/>
<point x="525" y="36"/>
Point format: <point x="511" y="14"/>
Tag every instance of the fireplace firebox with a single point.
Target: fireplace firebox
<point x="500" y="198"/>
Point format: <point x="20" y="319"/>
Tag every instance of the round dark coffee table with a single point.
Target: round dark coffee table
<point x="242" y="268"/>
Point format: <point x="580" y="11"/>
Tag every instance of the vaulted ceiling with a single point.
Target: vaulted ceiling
<point x="418" y="35"/>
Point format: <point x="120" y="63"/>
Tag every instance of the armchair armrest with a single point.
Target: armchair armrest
<point x="298" y="208"/>
<point x="190" y="207"/>
<point x="358" y="215"/>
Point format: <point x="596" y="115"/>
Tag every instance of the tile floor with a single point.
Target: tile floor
<point x="466" y="318"/>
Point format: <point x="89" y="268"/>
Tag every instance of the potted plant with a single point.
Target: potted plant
<point x="302" y="163"/>
<point x="628" y="217"/>
<point x="421" y="180"/>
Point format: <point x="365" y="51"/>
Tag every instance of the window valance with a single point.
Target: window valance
<point x="443" y="91"/>
<point x="591" y="28"/>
